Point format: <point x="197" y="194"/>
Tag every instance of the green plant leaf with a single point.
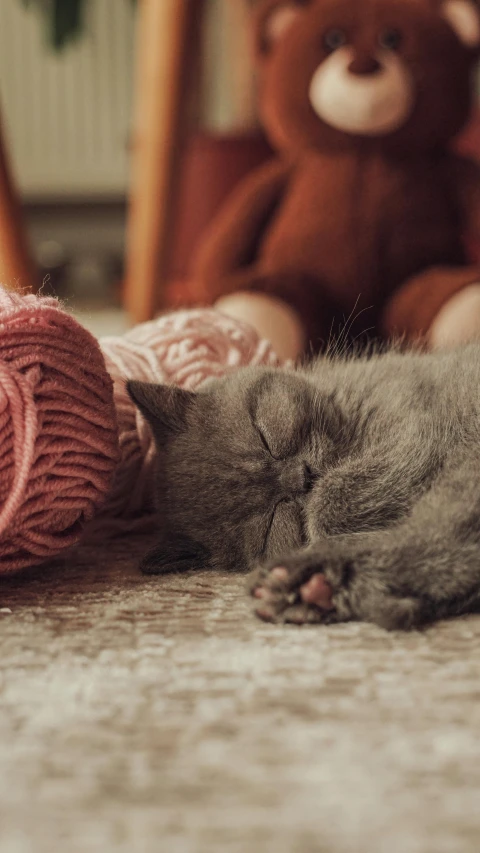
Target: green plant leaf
<point x="64" y="19"/>
<point x="67" y="21"/>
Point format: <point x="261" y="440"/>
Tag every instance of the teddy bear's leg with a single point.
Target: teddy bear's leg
<point x="459" y="320"/>
<point x="289" y="309"/>
<point x="247" y="296"/>
<point x="271" y="317"/>
<point x="440" y="306"/>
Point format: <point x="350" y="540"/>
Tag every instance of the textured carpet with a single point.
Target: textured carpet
<point x="156" y="715"/>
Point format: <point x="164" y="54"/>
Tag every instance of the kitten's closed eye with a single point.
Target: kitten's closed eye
<point x="278" y="414"/>
<point x="264" y="440"/>
<point x="285" y="529"/>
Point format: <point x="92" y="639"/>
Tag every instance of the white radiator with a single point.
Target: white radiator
<point x="67" y="116"/>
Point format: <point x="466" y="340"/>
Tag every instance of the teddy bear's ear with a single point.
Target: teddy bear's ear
<point x="464" y="18"/>
<point x="273" y="19"/>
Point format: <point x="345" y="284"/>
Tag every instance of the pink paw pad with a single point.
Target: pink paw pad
<point x="262" y="592"/>
<point x="317" y="591"/>
<point x="265" y="615"/>
<point x="279" y="575"/>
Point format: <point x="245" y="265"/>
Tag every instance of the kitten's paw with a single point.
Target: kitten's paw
<point x="295" y="590"/>
<point x="333" y="584"/>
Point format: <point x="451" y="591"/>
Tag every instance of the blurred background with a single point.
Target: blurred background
<point x="126" y="124"/>
<point x="71" y="73"/>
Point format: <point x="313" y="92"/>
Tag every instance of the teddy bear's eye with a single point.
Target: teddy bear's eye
<point x="390" y="39"/>
<point x="333" y="39"/>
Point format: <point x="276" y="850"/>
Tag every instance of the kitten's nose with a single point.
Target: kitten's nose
<point x="296" y="478"/>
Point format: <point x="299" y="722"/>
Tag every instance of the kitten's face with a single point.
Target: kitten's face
<point x="238" y="464"/>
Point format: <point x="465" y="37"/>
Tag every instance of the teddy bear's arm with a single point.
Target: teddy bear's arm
<point x="464" y="176"/>
<point x="231" y="240"/>
<point x="423" y="301"/>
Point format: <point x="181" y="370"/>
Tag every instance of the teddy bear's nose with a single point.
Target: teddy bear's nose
<point x="364" y="65"/>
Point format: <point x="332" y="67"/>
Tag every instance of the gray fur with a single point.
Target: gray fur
<point x="366" y="469"/>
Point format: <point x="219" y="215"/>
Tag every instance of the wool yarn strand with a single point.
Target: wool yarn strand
<point x="58" y="430"/>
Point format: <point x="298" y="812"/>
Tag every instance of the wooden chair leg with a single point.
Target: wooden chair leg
<point x="163" y="44"/>
<point x="16" y="267"/>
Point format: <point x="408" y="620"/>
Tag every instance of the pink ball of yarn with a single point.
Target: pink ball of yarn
<point x="58" y="433"/>
<point x="183" y="348"/>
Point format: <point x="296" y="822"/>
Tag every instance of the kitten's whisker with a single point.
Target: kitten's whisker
<point x="349" y="320"/>
<point x="341" y="345"/>
<point x="363" y="332"/>
<point x="355" y="318"/>
<point x="330" y="339"/>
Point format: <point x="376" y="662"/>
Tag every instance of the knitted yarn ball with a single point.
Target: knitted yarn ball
<point x="58" y="434"/>
<point x="184" y="348"/>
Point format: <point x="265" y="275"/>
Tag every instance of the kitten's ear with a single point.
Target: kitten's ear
<point x="175" y="555"/>
<point x="164" y="406"/>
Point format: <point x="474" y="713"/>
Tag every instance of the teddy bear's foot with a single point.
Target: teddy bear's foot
<point x="271" y="317"/>
<point x="458" y="322"/>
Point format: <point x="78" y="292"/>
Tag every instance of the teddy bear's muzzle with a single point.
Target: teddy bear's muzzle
<point x="366" y="95"/>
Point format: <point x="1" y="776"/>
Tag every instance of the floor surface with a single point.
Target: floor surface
<point x="157" y="715"/>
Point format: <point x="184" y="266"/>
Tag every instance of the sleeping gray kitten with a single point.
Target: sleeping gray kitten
<point x="352" y="486"/>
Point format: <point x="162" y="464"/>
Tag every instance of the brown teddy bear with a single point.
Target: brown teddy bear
<point x="364" y="211"/>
